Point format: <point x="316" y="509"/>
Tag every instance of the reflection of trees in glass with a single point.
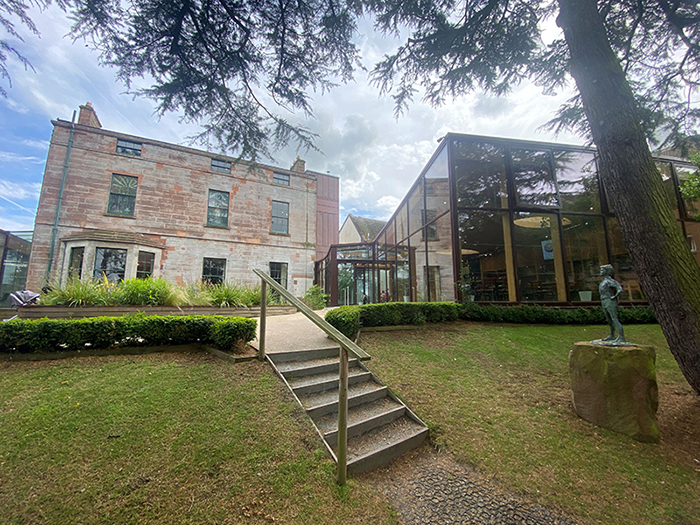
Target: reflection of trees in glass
<point x="689" y="180"/>
<point x="111" y="263"/>
<point x="578" y="181"/>
<point x="584" y="249"/>
<point x="345" y="283"/>
<point x="534" y="181"/>
<point x="480" y="171"/>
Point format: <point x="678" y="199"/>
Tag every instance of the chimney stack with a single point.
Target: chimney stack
<point x="299" y="165"/>
<point x="88" y="117"/>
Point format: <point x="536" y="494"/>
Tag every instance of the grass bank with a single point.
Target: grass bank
<point x="163" y="439"/>
<point x="498" y="397"/>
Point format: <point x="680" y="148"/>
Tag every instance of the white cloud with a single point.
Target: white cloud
<point x="8" y="156"/>
<point x="37" y="144"/>
<point x="19" y="191"/>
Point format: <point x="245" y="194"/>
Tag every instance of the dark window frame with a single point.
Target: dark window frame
<point x="283" y="179"/>
<point x="73" y="267"/>
<point x="102" y="271"/>
<point x="145" y="274"/>
<point x="221" y="166"/>
<point x="116" y="196"/>
<point x="212" y="278"/>
<point x="128" y="147"/>
<point x="280" y="274"/>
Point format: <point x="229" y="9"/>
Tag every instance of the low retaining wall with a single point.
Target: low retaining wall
<point x="81" y="312"/>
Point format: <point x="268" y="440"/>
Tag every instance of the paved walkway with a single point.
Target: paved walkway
<point x="287" y="333"/>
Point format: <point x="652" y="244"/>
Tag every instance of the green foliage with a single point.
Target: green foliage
<point x="70" y="335"/>
<point x="690" y="188"/>
<point x="349" y="319"/>
<point x="346" y="319"/>
<point x="315" y="298"/>
<point x="77" y="292"/>
<point x="151" y="292"/>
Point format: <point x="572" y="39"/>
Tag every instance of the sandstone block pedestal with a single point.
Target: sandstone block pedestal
<point x="615" y="387"/>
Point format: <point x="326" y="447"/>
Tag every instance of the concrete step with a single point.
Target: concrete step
<point x="292" y="369"/>
<point x="305" y="355"/>
<point x="361" y="419"/>
<point x="319" y="405"/>
<point x="307" y="385"/>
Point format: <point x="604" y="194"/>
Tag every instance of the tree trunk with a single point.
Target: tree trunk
<point x="668" y="272"/>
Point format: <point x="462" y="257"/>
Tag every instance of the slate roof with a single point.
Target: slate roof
<point x="367" y="228"/>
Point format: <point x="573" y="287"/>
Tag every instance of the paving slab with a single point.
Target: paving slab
<point x="287" y="333"/>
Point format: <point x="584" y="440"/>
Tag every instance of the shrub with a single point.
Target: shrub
<point x="151" y="292"/>
<point x="314" y="298"/>
<point x="77" y="292"/>
<point x="392" y="314"/>
<point x="346" y="319"/>
<point x="59" y="335"/>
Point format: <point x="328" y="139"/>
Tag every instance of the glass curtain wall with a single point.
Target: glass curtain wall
<point x="495" y="220"/>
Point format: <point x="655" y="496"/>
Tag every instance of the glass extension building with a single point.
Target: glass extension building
<point x="499" y="220"/>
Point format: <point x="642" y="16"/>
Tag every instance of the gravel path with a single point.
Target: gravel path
<point x="429" y="487"/>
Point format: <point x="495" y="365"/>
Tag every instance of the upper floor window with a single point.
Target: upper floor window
<point x="280" y="178"/>
<point x="217" y="210"/>
<point x="129" y="148"/>
<point x="280" y="217"/>
<point x="222" y="166"/>
<point x="122" y="195"/>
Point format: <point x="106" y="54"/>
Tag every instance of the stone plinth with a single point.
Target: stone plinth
<point x="615" y="387"/>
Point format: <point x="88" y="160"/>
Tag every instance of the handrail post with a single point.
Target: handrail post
<point x="343" y="417"/>
<point x="263" y="320"/>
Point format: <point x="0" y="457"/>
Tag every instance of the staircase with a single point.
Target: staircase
<point x="380" y="427"/>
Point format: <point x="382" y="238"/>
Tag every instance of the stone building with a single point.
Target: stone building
<point x="124" y="206"/>
<point x="359" y="229"/>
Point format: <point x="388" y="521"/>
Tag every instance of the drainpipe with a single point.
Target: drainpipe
<point x="60" y="196"/>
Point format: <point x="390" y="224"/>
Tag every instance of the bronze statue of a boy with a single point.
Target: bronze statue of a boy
<point x="609" y="290"/>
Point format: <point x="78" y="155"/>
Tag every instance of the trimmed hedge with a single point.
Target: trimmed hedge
<point x="349" y="319"/>
<point x="69" y="335"/>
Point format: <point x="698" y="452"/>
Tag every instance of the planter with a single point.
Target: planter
<point x="586" y="296"/>
<point x="80" y="312"/>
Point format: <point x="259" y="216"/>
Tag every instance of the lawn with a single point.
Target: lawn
<point x="164" y="439"/>
<point x="497" y="397"/>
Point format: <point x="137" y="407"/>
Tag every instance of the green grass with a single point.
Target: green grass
<point x="164" y="438"/>
<point x="497" y="396"/>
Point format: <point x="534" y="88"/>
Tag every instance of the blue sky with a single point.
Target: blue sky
<point x="376" y="156"/>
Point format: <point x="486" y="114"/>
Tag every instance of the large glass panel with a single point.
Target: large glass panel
<point x="110" y="262"/>
<point x="415" y="207"/>
<point x="669" y="185"/>
<point x="354" y="252"/>
<point x="625" y="272"/>
<point x="533" y="177"/>
<point x="420" y="292"/>
<point x="440" y="257"/>
<point x="578" y="181"/>
<point x="692" y="208"/>
<point x="391" y="233"/>
<point x="403" y="281"/>
<point x="539" y="257"/>
<point x="487" y="260"/>
<point x="480" y="171"/>
<point x="585" y="251"/>
<point x="402" y="223"/>
<point x="692" y="230"/>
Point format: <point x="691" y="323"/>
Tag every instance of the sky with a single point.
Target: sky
<point x="376" y="156"/>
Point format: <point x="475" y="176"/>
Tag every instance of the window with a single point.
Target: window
<point x="144" y="269"/>
<point x="533" y="177"/>
<point x="222" y="166"/>
<point x="430" y="232"/>
<point x="129" y="148"/>
<point x="278" y="271"/>
<point x="280" y="178"/>
<point x="280" y="217"/>
<point x="217" y="210"/>
<point x="122" y="195"/>
<point x="110" y="263"/>
<point x="480" y="171"/>
<point x="75" y="266"/>
<point x="214" y="270"/>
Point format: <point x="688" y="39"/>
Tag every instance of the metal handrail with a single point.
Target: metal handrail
<point x="332" y="331"/>
<point x="346" y="346"/>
